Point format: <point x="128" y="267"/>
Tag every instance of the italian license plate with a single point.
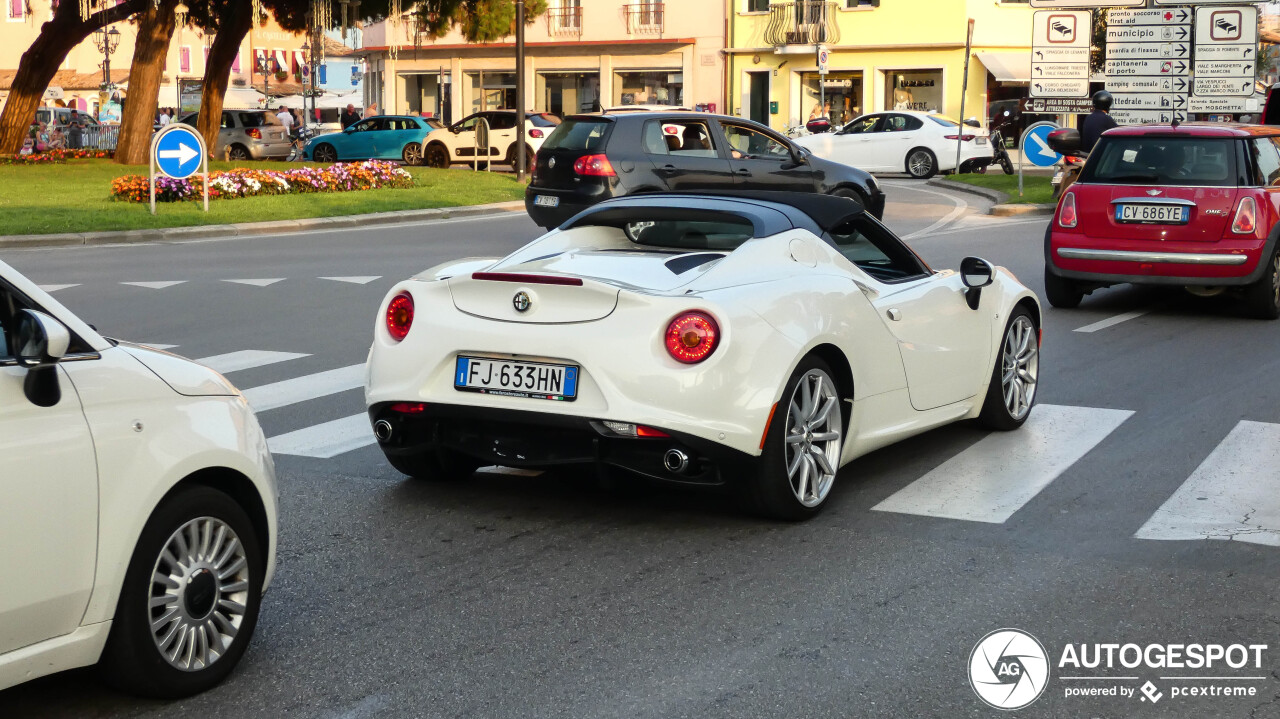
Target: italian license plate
<point x="981" y="141"/>
<point x="1155" y="214"/>
<point x="546" y="201"/>
<point x="511" y="378"/>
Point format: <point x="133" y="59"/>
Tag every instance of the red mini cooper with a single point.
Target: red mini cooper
<point x="1195" y="205"/>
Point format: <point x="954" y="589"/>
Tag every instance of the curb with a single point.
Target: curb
<point x="995" y="196"/>
<point x="249" y="229"/>
<point x="1023" y="209"/>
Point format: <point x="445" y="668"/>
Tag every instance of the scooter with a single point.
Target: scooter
<point x="1066" y="141"/>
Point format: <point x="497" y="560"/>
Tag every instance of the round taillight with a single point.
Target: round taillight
<point x="692" y="337"/>
<point x="400" y="316"/>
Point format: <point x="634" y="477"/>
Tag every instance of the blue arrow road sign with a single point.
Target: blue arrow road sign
<point x="178" y="152"/>
<point x="1036" y="147"/>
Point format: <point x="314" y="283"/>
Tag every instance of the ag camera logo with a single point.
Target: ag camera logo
<point x="1008" y="669"/>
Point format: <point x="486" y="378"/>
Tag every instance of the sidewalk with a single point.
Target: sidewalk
<point x="248" y="229"/>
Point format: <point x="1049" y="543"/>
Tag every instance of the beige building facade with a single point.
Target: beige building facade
<point x="580" y="56"/>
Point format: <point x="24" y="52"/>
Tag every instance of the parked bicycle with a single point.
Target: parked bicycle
<point x="300" y="139"/>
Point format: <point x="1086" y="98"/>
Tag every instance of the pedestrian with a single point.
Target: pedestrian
<point x="349" y="116"/>
<point x="164" y="118"/>
<point x="286" y="118"/>
<point x="1098" y="121"/>
<point x="815" y="112"/>
<point x="371" y="110"/>
<point x="75" y="131"/>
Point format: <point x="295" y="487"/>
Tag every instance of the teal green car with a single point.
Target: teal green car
<point x="385" y="137"/>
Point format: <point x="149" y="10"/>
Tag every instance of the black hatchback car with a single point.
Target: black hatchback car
<point x="590" y="158"/>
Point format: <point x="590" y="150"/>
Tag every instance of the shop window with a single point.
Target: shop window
<point x="648" y="88"/>
<point x="914" y="90"/>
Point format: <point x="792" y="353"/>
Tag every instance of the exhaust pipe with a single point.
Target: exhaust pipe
<point x="676" y="461"/>
<point x="382" y="430"/>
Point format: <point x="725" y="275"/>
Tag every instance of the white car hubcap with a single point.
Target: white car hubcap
<point x="199" y="593"/>
<point x="814" y="432"/>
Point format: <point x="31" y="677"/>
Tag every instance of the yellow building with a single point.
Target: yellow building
<point x="882" y="55"/>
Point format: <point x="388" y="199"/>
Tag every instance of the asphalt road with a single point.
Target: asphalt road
<point x="518" y="596"/>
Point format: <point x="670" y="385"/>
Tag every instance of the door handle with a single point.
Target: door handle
<point x="743" y="171"/>
<point x="894" y="314"/>
<point x="668" y="169"/>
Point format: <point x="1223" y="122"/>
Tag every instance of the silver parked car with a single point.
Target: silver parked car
<point x="247" y="134"/>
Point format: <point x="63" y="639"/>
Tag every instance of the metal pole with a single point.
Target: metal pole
<point x="520" y="159"/>
<point x="964" y="90"/>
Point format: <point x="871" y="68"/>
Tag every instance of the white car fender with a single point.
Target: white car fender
<point x="143" y="433"/>
<point x="1005" y="293"/>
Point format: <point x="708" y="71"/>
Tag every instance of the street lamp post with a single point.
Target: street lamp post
<point x="180" y="16"/>
<point x="106" y="40"/>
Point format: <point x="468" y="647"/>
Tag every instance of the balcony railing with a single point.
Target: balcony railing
<point x="644" y="18"/>
<point x="802" y="22"/>
<point x="564" y="20"/>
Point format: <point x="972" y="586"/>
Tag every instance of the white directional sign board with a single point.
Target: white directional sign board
<point x="1061" y="4"/>
<point x="1148" y="64"/>
<point x="1060" y="53"/>
<point x="1226" y="51"/>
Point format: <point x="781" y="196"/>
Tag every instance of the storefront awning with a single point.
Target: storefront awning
<point x="1007" y="66"/>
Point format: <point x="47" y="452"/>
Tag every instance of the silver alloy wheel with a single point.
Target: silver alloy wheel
<point x="199" y="593"/>
<point x="920" y="163"/>
<point x="1019" y="366"/>
<point x="814" y="433"/>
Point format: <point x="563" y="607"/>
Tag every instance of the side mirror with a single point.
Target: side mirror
<point x="976" y="273"/>
<point x="1065" y="141"/>
<point x="41" y="341"/>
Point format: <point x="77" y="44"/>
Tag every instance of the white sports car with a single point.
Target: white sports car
<point x="918" y="143"/>
<point x="759" y="340"/>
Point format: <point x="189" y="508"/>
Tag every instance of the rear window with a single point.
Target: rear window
<point x="720" y="234"/>
<point x="252" y="119"/>
<point x="944" y="121"/>
<point x="543" y="120"/>
<point x="580" y="135"/>
<point x="1156" y="160"/>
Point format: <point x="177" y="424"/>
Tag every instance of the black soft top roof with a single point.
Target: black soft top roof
<point x="770" y="212"/>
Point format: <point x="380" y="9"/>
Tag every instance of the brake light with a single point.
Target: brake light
<point x="400" y="316"/>
<point x="1246" y="222"/>
<point x="966" y="138"/>
<point x="1067" y="214"/>
<point x="643" y="431"/>
<point x="692" y="337"/>
<point x="593" y="166"/>
<point x="409" y="407"/>
<point x="254" y="132"/>
<point x="535" y="132"/>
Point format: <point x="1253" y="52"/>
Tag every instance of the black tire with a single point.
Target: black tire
<point x="528" y="158"/>
<point x="851" y="194"/>
<point x="324" y="152"/>
<point x="437" y="155"/>
<point x="412" y="154"/>
<point x="1006" y="164"/>
<point x="439" y="465"/>
<point x="996" y="414"/>
<point x="1262" y="298"/>
<point x="238" y="153"/>
<point x="1061" y="292"/>
<point x="922" y="163"/>
<point x="132" y="660"/>
<point x="769" y="491"/>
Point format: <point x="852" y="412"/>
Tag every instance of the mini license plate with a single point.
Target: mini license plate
<point x="546" y="200"/>
<point x="1154" y="214"/>
<point x="510" y="378"/>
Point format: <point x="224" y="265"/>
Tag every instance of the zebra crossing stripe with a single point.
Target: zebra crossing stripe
<point x="301" y="389"/>
<point x="246" y="359"/>
<point x="54" y="288"/>
<point x="360" y="280"/>
<point x="1003" y="471"/>
<point x="266" y="282"/>
<point x="326" y="440"/>
<point x="1234" y="494"/>
<point x="155" y="285"/>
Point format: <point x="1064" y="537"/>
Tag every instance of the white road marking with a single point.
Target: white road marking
<point x="325" y="440"/>
<point x="54" y="288"/>
<point x="1234" y="494"/>
<point x="301" y="389"/>
<point x="960" y="207"/>
<point x="361" y="280"/>
<point x="999" y="474"/>
<point x="258" y="283"/>
<point x="1112" y="321"/>
<point x="246" y="359"/>
<point x="155" y="285"/>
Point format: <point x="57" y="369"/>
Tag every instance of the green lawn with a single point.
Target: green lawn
<point x="1036" y="188"/>
<point x="76" y="197"/>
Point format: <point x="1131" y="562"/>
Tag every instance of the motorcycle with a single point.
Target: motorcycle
<point x="1000" y="147"/>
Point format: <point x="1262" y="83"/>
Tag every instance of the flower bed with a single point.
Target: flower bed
<point x="252" y="182"/>
<point x="54" y="157"/>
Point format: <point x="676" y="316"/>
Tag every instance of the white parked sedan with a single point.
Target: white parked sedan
<point x="920" y="144"/>
<point x="760" y="340"/>
<point x="137" y="506"/>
